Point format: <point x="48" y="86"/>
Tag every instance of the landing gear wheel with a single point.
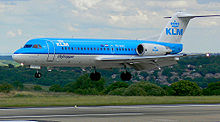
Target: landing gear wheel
<point x="38" y="75"/>
<point x="95" y="76"/>
<point x="126" y="76"/>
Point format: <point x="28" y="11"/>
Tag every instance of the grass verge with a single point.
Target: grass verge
<point x="43" y="99"/>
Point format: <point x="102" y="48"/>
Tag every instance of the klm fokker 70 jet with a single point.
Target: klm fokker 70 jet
<point x="108" y="53"/>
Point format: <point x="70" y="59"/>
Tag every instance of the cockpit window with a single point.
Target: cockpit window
<point x="37" y="46"/>
<point x="28" y="46"/>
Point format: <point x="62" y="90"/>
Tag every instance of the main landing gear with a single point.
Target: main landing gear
<point x="95" y="76"/>
<point x="38" y="75"/>
<point x="126" y="76"/>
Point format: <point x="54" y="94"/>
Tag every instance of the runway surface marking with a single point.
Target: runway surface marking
<point x="132" y="106"/>
<point x="156" y="106"/>
<point x="80" y="115"/>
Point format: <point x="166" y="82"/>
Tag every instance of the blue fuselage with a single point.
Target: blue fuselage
<point x="89" y="46"/>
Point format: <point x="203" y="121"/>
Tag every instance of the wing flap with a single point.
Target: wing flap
<point x="138" y="58"/>
<point x="145" y="62"/>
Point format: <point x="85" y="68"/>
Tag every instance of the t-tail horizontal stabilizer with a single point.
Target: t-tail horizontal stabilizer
<point x="193" y="16"/>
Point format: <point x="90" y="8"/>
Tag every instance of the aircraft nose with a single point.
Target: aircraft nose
<point x="17" y="58"/>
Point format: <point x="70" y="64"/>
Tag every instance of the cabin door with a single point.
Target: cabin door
<point x="112" y="49"/>
<point x="51" y="51"/>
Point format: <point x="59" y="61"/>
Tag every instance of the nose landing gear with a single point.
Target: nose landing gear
<point x="38" y="75"/>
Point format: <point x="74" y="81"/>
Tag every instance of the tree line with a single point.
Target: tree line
<point x="66" y="79"/>
<point x="84" y="86"/>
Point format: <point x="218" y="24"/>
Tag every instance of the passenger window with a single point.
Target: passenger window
<point x="119" y="49"/>
<point x="84" y="48"/>
<point x="125" y="49"/>
<point x="104" y="48"/>
<point x="98" y="49"/>
<point x="108" y="49"/>
<point x="91" y="48"/>
<point x="88" y="48"/>
<point x="122" y="49"/>
<point x="81" y="48"/>
<point x="112" y="49"/>
<point x="72" y="48"/>
<point x="128" y="49"/>
<point x="69" y="48"/>
<point x="62" y="48"/>
<point x="78" y="48"/>
<point x="94" y="49"/>
<point x="65" y="48"/>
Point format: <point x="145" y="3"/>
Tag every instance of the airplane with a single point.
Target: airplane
<point x="108" y="53"/>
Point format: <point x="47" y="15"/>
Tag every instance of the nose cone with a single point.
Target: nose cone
<point x="17" y="57"/>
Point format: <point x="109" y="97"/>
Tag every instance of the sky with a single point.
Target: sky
<point x="21" y="20"/>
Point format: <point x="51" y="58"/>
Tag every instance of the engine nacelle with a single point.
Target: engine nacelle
<point x="145" y="49"/>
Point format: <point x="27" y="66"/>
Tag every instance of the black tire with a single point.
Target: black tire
<point x="128" y="76"/>
<point x="125" y="76"/>
<point x="92" y="76"/>
<point x="95" y="76"/>
<point x="38" y="75"/>
<point x="98" y="76"/>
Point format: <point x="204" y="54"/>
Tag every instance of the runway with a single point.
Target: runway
<point x="145" y="113"/>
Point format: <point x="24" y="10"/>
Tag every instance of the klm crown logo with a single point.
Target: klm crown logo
<point x="175" y="24"/>
<point x="155" y="49"/>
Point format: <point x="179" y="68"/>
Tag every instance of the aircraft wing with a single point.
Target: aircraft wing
<point x="146" y="62"/>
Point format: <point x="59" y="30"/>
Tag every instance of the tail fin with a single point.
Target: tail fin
<point x="176" y="27"/>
